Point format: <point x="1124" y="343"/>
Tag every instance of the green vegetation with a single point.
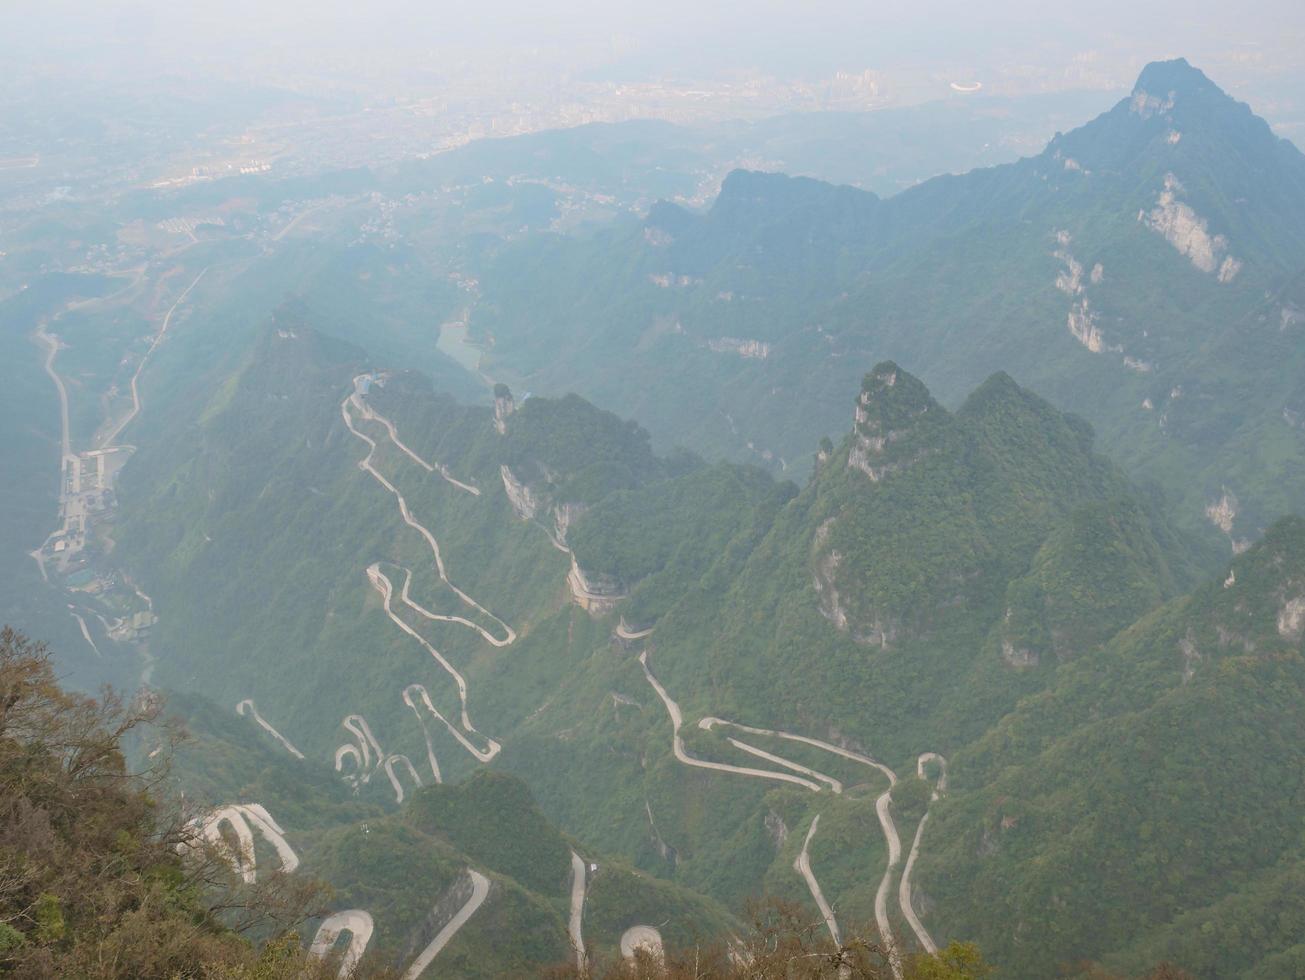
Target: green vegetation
<point x="1146" y="802"/>
<point x="92" y="883"/>
<point x="956" y="278"/>
<point x="659" y="539"/>
<point x="994" y="527"/>
<point x="964" y="575"/>
<point x="492" y="818"/>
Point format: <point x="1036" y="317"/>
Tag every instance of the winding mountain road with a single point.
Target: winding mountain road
<point x="390" y="760"/>
<point x="247" y="706"/>
<point x="883" y="809"/>
<point x="624" y="632"/>
<point x="382" y="585"/>
<point x="641" y="937"/>
<point x="803" y="867"/>
<point x="244" y="818"/>
<point x="369" y="757"/>
<point x="578" y="889"/>
<point x="677" y="742"/>
<point x="358" y="923"/>
<point x="372" y="415"/>
<point x="779" y="760"/>
<point x="109" y="437"/>
<point x="365" y="464"/>
<point x="479" y="891"/>
<point x="882" y="806"/>
<point x="904" y="897"/>
<point x="483" y="755"/>
<point x="884" y="813"/>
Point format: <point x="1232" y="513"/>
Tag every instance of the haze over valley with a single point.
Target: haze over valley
<point x="770" y="492"/>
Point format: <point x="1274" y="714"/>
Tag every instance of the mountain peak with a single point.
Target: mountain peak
<point x="1166" y="82"/>
<point x="892" y="408"/>
<point x="891" y="394"/>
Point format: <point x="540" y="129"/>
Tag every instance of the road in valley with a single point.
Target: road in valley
<point x="109" y="437"/>
<point x="86" y="633"/>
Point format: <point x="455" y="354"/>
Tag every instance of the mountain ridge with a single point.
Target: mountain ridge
<point x="1140" y="267"/>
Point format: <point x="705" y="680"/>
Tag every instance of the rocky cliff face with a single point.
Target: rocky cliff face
<point x="504" y="405"/>
<point x="525" y="504"/>
<point x="564" y="515"/>
<point x="596" y="594"/>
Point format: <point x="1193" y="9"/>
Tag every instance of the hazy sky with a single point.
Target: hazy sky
<point x="768" y="34"/>
<point x="1030" y="43"/>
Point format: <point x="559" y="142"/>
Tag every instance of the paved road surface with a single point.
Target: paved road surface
<point x="677" y="743"/>
<point x="108" y="438"/>
<point x="366" y="465"/>
<point x="882" y="809"/>
<point x="358" y="923"/>
<point x="247" y="705"/>
<point x="479" y="890"/>
<point x="577" y="908"/>
<point x="641" y="936"/>
<point x="904" y="897"/>
<point x="803" y="867"/>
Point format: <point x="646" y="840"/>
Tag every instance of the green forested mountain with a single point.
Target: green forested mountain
<point x="1145" y="267"/>
<point x="522" y="567"/>
<point x="1147" y="801"/>
<point x="941" y="577"/>
<point x="404" y="867"/>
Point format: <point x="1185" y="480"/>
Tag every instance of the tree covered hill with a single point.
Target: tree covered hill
<point x="1149" y="798"/>
<point x="940" y="575"/>
<point x="401" y="865"/>
<point x="1144" y="267"/>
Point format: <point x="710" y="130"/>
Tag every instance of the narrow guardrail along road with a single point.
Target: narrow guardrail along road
<point x="812" y="779"/>
<point x="358" y="924"/>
